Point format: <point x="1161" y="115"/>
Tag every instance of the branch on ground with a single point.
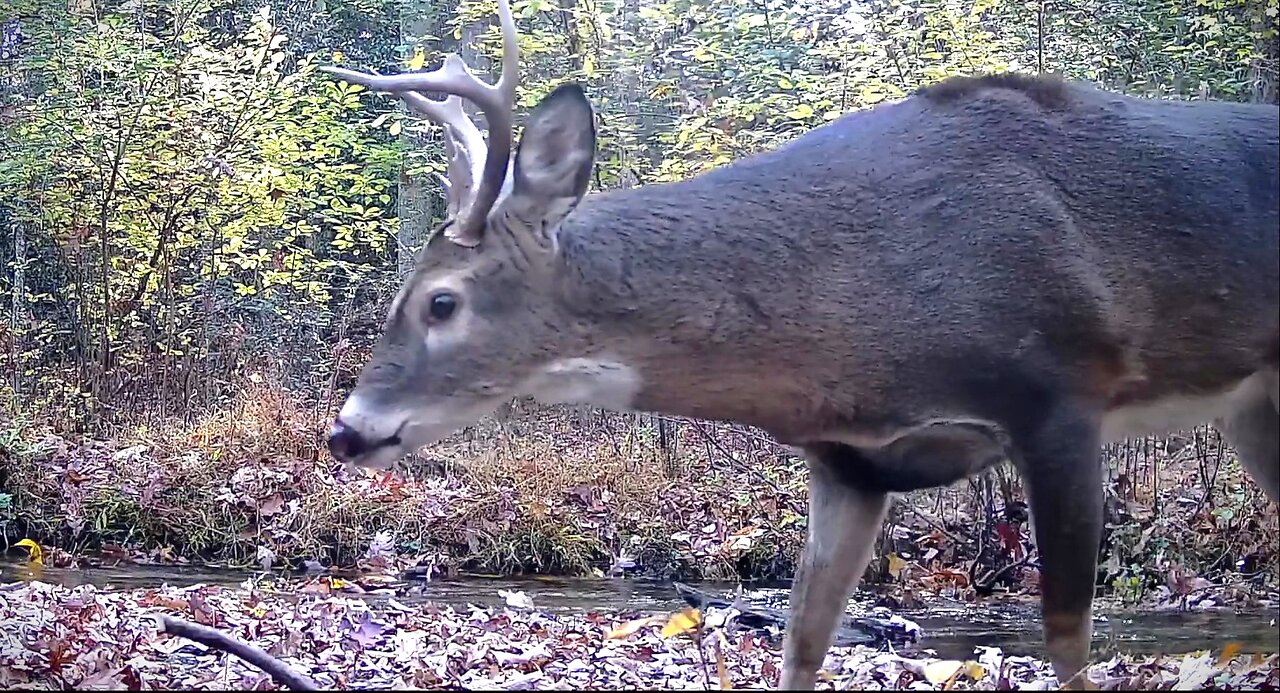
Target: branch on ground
<point x="218" y="640"/>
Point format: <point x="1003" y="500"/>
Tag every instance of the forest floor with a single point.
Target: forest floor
<point x="86" y="638"/>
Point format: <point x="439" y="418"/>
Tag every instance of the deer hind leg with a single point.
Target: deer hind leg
<point x="1060" y="463"/>
<point x="1253" y="429"/>
<point x="843" y="525"/>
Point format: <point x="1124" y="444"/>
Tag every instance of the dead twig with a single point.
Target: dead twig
<point x="935" y="524"/>
<point x="218" y="640"/>
<point x="783" y="495"/>
<point x="988" y="583"/>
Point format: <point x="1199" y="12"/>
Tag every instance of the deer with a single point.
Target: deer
<point x="996" y="268"/>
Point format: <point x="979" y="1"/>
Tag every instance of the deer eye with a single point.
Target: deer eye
<point x="441" y="306"/>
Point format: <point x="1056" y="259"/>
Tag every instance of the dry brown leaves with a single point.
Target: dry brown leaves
<point x="83" y="637"/>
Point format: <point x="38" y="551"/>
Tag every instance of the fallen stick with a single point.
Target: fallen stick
<point x="218" y="640"/>
<point x="852" y="630"/>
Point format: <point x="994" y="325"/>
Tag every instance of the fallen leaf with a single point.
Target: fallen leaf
<point x="35" y="554"/>
<point x="164" y="601"/>
<point x="681" y="622"/>
<point x="896" y="565"/>
<point x="367" y="632"/>
<point x="625" y="630"/>
<point x="313" y="566"/>
<point x="517" y="599"/>
<point x="1194" y="672"/>
<point x="1010" y="539"/>
<point x="957" y="577"/>
<point x="941" y="670"/>
<point x="1228" y="653"/>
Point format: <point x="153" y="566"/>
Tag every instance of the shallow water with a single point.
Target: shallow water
<point x="952" y="629"/>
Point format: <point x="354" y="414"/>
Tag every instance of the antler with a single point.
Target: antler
<point x="463" y="142"/>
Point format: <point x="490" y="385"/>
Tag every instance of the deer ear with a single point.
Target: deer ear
<point x="553" y="162"/>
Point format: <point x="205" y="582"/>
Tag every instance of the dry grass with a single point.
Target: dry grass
<point x="251" y="481"/>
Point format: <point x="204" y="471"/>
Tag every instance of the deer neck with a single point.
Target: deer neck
<point x="674" y="303"/>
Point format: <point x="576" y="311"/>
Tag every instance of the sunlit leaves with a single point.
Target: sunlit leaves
<point x="242" y="174"/>
<point x="206" y="160"/>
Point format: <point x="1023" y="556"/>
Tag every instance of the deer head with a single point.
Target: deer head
<point x="481" y="319"/>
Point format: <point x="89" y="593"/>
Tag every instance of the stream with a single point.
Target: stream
<point x="952" y="628"/>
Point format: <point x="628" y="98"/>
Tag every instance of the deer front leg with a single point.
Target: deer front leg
<point x="843" y="524"/>
<point x="1061" y="465"/>
<point x="1253" y="429"/>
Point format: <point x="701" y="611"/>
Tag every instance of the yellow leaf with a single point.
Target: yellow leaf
<point x="974" y="671"/>
<point x="942" y="670"/>
<point x="800" y="112"/>
<point x="896" y="564"/>
<point x="338" y="583"/>
<point x="35" y="554"/>
<point x="338" y="56"/>
<point x="395" y="128"/>
<point x="418" y="60"/>
<point x="682" y="622"/>
<point x="1229" y="653"/>
<point x="626" y="630"/>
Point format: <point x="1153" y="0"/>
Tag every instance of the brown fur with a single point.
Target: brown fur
<point x="1048" y="91"/>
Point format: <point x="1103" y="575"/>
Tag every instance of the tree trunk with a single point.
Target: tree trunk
<point x="1266" y="58"/>
<point x="418" y="200"/>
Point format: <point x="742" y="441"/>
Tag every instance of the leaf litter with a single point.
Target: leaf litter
<point x="85" y="637"/>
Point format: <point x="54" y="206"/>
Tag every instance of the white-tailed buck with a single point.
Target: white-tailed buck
<point x="995" y="268"/>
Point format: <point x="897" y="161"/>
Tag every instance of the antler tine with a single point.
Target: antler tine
<point x="464" y="147"/>
<point x="498" y="112"/>
<point x="496" y="101"/>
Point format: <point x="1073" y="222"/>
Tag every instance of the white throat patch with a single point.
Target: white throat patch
<point x="596" y="382"/>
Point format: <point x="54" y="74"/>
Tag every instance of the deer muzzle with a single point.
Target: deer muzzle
<point x="348" y="444"/>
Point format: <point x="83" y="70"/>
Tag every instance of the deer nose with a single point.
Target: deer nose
<point x="345" y="442"/>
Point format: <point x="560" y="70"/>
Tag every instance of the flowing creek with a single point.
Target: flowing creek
<point x="951" y="628"/>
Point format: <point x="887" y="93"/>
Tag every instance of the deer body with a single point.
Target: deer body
<point x="896" y="267"/>
<point x="1000" y="268"/>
